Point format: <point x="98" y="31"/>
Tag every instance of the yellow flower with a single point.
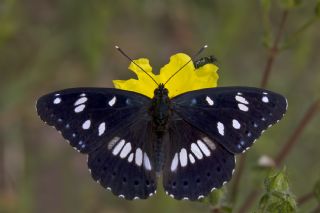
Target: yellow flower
<point x="187" y="79"/>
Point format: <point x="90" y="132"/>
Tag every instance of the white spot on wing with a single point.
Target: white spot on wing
<point x="243" y="107"/>
<point x="102" y="128"/>
<point x="146" y="162"/>
<point x="174" y="163"/>
<point x="113" y="142"/>
<point x="236" y="124"/>
<point x="80" y="101"/>
<point x="79" y="108"/>
<point x="126" y="150"/>
<point x="86" y="124"/>
<point x="196" y="151"/>
<point x="138" y="157"/>
<point x="209" y="100"/>
<point x="200" y="197"/>
<point x="203" y="148"/>
<point x="118" y="147"/>
<point x="220" y="128"/>
<point x="191" y="158"/>
<point x="130" y="158"/>
<point x="57" y="101"/>
<point x="209" y="142"/>
<point x="265" y="99"/>
<point x="183" y="157"/>
<point x="241" y="99"/>
<point x="112" y="101"/>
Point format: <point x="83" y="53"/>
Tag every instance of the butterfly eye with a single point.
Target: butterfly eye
<point x="165" y="91"/>
<point x="156" y="92"/>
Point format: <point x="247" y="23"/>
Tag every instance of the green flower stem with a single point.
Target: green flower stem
<point x="274" y="50"/>
<point x="316" y="210"/>
<point x="305" y="198"/>
<point x="252" y="196"/>
<point x="311" y="112"/>
<point x="2" y="171"/>
<point x="237" y="177"/>
<point x="298" y="33"/>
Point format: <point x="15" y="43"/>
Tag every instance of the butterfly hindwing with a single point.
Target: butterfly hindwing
<point x="234" y="117"/>
<point x="125" y="164"/>
<point x="113" y="127"/>
<point x="195" y="164"/>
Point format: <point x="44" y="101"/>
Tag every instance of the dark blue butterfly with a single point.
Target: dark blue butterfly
<point x="190" y="139"/>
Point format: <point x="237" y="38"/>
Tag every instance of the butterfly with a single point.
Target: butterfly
<point x="190" y="140"/>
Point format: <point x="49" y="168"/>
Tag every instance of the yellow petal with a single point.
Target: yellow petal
<point x="144" y="84"/>
<point x="187" y="79"/>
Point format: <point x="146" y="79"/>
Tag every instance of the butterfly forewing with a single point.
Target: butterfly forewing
<point x="113" y="127"/>
<point x="86" y="116"/>
<point x="195" y="164"/>
<point x="234" y="117"/>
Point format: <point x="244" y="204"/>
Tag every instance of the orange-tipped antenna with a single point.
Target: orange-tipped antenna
<point x="125" y="55"/>
<point x="196" y="55"/>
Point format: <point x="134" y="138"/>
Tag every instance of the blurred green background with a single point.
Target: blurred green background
<point x="49" y="45"/>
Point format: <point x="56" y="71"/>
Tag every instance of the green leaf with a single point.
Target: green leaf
<point x="316" y="190"/>
<point x="266" y="4"/>
<point x="217" y="201"/>
<point x="267" y="34"/>
<point x="226" y="209"/>
<point x="289" y="4"/>
<point x="277" y="182"/>
<point x="214" y="198"/>
<point x="277" y="198"/>
<point x="317" y="9"/>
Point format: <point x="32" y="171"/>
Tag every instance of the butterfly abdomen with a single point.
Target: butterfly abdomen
<point x="159" y="154"/>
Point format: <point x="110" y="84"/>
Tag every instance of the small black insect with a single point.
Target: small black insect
<point x="191" y="139"/>
<point x="205" y="60"/>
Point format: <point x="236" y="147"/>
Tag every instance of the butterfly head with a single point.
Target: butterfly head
<point x="161" y="91"/>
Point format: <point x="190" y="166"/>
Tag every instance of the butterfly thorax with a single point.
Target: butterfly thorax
<point x="160" y="110"/>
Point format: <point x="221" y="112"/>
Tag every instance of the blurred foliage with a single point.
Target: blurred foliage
<point x="49" y="45"/>
<point x="316" y="190"/>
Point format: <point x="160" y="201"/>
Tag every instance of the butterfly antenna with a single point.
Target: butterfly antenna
<point x="125" y="55"/>
<point x="195" y="56"/>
